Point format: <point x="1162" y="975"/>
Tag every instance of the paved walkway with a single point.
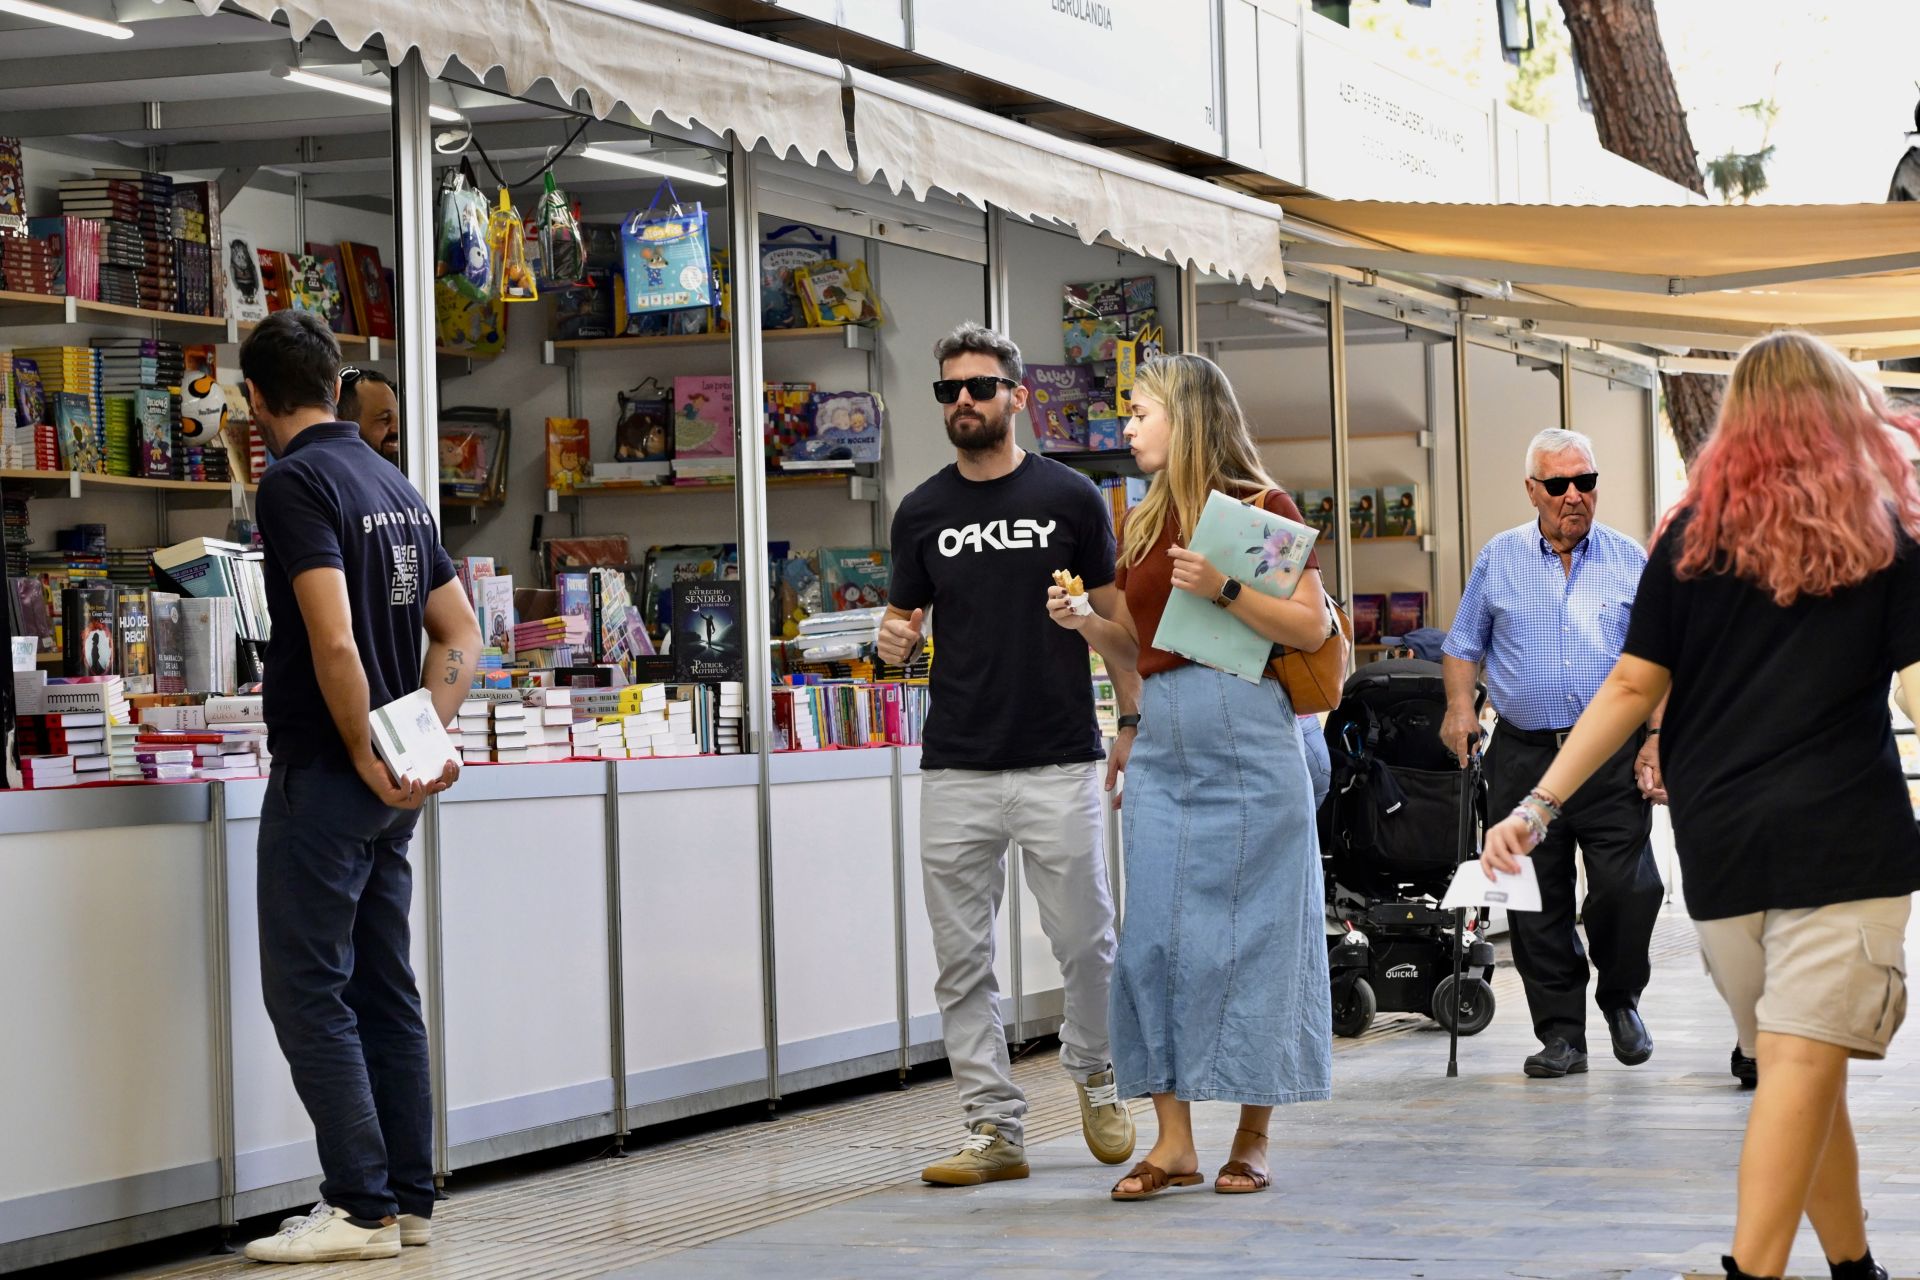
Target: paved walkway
<point x="1620" y="1173"/>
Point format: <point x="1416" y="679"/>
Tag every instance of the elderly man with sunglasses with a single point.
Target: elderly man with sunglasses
<point x="1546" y="611"/>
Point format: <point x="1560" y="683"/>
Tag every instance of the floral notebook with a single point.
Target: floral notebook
<point x="1267" y="553"/>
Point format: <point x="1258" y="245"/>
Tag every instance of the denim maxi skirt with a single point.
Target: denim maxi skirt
<point x="1220" y="988"/>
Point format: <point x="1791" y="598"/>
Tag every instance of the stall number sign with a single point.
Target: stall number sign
<point x="1148" y="64"/>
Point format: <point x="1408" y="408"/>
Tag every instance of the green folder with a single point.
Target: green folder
<point x="1267" y="553"/>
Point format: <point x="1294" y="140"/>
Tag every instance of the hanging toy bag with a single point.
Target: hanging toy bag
<point x="507" y="239"/>
<point x="664" y="253"/>
<point x="562" y="255"/>
<point x="466" y="258"/>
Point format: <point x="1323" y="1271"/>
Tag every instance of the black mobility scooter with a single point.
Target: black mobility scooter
<point x="1400" y="816"/>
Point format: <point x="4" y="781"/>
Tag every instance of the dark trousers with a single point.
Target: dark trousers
<point x="1610" y="823"/>
<point x="334" y="887"/>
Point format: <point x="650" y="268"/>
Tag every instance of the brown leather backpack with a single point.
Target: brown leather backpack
<point x="1313" y="678"/>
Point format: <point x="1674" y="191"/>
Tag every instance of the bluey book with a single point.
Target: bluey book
<point x="1267" y="553"/>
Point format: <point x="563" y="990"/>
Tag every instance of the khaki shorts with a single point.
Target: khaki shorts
<point x="1836" y="974"/>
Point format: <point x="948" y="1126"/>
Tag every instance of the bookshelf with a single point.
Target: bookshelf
<point x="74" y="484"/>
<point x="50" y="309"/>
<point x="849" y="335"/>
<point x="822" y="480"/>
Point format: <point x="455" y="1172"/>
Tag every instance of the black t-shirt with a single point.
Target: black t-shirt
<point x="1011" y="689"/>
<point x="332" y="502"/>
<point x="1777" y="747"/>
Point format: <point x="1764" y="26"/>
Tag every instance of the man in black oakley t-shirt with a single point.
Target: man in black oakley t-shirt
<point x="1011" y="749"/>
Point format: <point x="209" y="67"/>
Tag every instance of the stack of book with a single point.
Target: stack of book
<point x="62" y="749"/>
<point x="122" y="763"/>
<point x="638" y="725"/>
<point x="60" y="256"/>
<point x="847" y="714"/>
<point x="207" y="567"/>
<point x="74" y="371"/>
<point x="549" y="642"/>
<point x="730" y="719"/>
<point x="506" y="735"/>
<point x="137" y="249"/>
<point x="123" y="433"/>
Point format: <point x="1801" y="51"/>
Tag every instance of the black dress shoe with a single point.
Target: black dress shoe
<point x="1745" y="1069"/>
<point x="1556" y="1058"/>
<point x="1631" y="1043"/>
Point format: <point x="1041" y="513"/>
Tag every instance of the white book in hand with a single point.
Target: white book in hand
<point x="409" y="737"/>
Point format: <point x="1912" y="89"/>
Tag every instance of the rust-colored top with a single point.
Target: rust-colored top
<point x="1147" y="585"/>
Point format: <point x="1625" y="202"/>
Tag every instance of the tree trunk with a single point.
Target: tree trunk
<point x="1638" y="113"/>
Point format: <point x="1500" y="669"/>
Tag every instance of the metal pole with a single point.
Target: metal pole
<point x="901" y="1009"/>
<point x="616" y="961"/>
<point x="999" y="282"/>
<point x="220" y="987"/>
<point x="1429" y="368"/>
<point x="743" y="214"/>
<point x="1462" y="448"/>
<point x="433" y="894"/>
<point x="1653" y="457"/>
<point x="1189" y="313"/>
<point x="1566" y="387"/>
<point x="413" y="278"/>
<point x="1018" y="1031"/>
<point x="1342" y="474"/>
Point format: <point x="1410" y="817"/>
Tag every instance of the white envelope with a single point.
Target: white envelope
<point x="1472" y="888"/>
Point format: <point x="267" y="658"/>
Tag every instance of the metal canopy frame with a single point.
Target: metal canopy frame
<point x="1429" y="264"/>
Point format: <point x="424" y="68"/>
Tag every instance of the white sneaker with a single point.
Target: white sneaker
<point x="414" y="1229"/>
<point x="325" y="1235"/>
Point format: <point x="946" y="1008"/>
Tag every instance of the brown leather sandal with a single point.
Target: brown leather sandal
<point x="1153" y="1180"/>
<point x="1241" y="1169"/>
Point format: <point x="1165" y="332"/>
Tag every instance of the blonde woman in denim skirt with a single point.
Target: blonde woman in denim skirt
<point x="1220" y="987"/>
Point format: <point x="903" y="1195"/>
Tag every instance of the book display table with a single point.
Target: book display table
<point x="591" y="949"/>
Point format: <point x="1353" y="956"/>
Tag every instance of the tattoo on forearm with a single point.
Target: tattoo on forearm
<point x="455" y="659"/>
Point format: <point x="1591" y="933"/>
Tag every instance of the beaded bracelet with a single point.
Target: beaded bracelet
<point x="1536" y="825"/>
<point x="1545" y="801"/>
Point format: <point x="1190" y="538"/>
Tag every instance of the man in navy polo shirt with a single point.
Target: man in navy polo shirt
<point x="1546" y="609"/>
<point x="354" y="574"/>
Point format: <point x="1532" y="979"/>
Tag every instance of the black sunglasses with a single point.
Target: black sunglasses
<point x="1556" y="486"/>
<point x="947" y="390"/>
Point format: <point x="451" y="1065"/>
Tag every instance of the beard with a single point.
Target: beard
<point x="975" y="431"/>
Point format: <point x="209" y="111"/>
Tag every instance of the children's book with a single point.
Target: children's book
<point x="1057" y="396"/>
<point x="568" y="453"/>
<point x="246" y="291"/>
<point x="846" y="428"/>
<point x="1267" y="553"/>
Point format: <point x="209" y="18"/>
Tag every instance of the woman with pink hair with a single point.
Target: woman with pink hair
<point x="1779" y="596"/>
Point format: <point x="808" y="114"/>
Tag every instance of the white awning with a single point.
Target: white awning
<point x="919" y="141"/>
<point x="615" y="52"/>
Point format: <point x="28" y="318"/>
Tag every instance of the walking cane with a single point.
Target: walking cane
<point x="1469" y="793"/>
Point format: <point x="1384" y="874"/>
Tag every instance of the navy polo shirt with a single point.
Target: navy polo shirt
<point x="332" y="503"/>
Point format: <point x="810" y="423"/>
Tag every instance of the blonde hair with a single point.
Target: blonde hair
<point x="1208" y="448"/>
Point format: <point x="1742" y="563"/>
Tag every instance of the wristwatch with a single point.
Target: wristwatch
<point x="1130" y="720"/>
<point x="1229" y="592"/>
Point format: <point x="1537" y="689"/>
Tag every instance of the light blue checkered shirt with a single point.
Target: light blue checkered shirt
<point x="1548" y="637"/>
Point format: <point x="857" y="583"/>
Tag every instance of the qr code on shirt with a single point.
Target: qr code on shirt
<point x="406" y="575"/>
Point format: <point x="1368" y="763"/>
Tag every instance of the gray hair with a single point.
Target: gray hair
<point x="977" y="339"/>
<point x="1558" y="440"/>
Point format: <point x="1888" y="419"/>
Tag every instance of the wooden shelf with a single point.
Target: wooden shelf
<point x="829" y="480"/>
<point x="59" y="484"/>
<point x="697" y="339"/>
<point x="476" y="503"/>
<point x="17" y="308"/>
<point x="344" y="339"/>
<point x="452" y="353"/>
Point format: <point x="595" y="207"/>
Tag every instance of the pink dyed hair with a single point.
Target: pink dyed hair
<point x="1799" y="487"/>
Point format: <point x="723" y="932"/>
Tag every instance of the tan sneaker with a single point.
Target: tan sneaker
<point x="325" y="1235"/>
<point x="984" y="1157"/>
<point x="415" y="1231"/>
<point x="1104" y="1119"/>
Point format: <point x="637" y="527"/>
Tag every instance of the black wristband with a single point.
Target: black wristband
<point x="1130" y="721"/>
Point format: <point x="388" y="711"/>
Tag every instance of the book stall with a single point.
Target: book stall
<point x="658" y="355"/>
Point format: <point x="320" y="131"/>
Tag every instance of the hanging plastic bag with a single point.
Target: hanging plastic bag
<point x="562" y="256"/>
<point x="665" y="256"/>
<point x="466" y="258"/>
<point x="507" y="241"/>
